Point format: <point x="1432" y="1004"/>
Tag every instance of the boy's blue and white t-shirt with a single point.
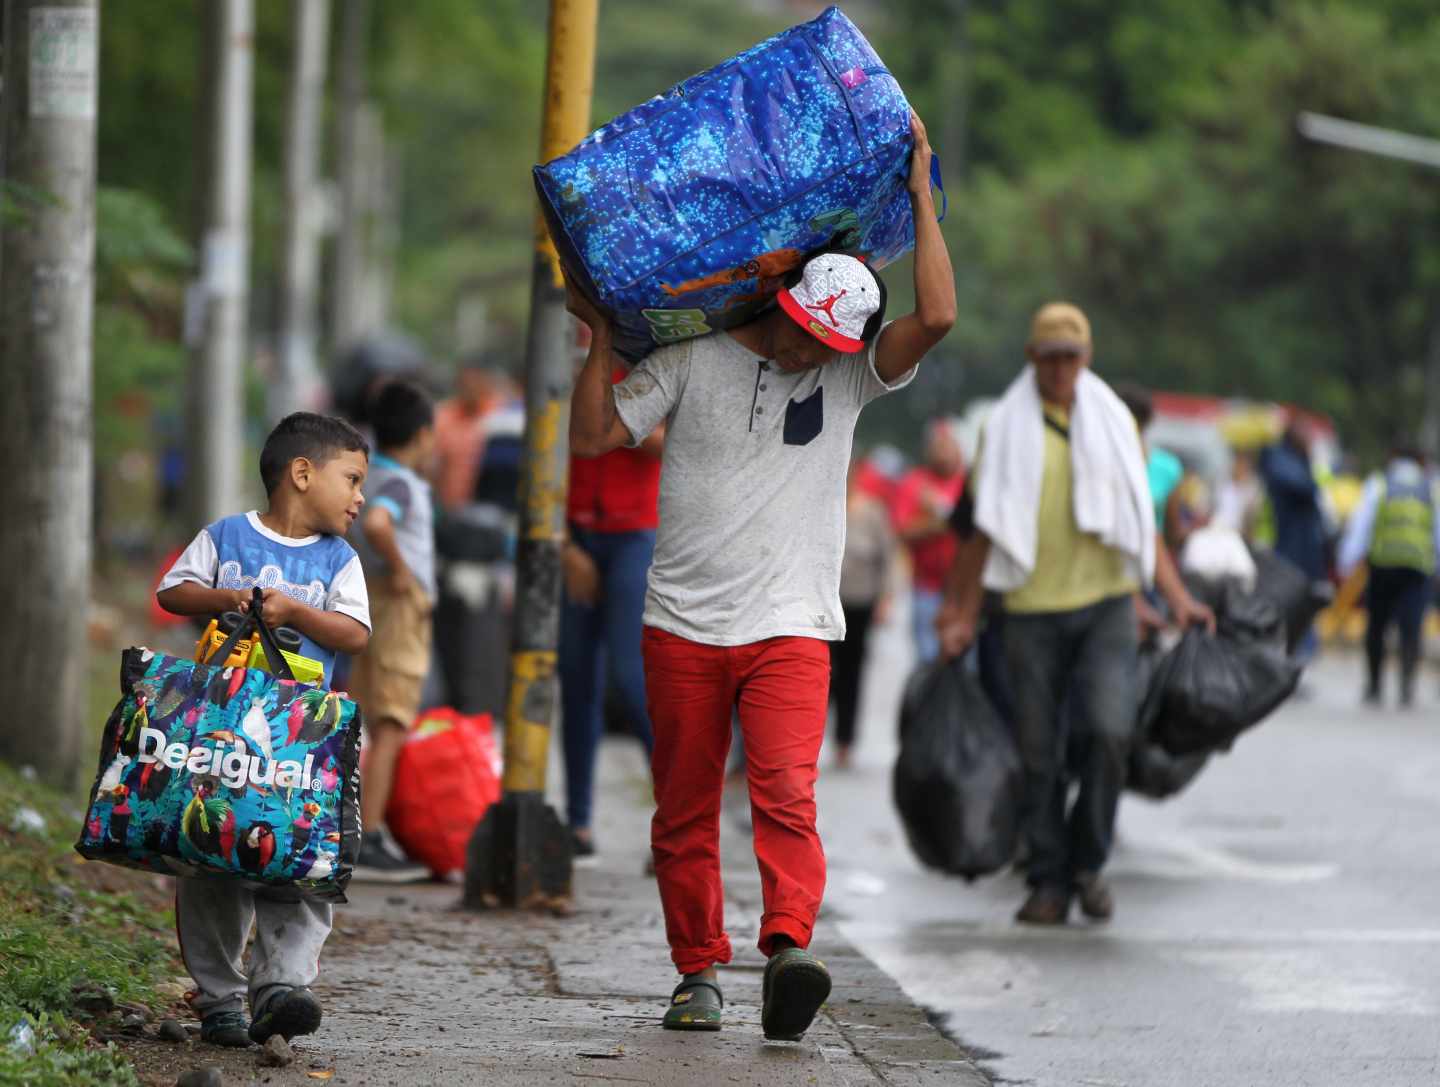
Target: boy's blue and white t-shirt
<point x="239" y="552"/>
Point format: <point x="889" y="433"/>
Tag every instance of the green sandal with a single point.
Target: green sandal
<point x="796" y="984"/>
<point x="696" y="1004"/>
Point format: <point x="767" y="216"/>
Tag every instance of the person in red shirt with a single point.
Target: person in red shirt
<point x="922" y="508"/>
<point x="613" y="511"/>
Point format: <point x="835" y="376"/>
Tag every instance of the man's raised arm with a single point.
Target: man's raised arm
<point x="595" y="426"/>
<point x="906" y="340"/>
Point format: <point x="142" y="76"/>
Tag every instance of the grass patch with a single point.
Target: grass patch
<point x="75" y="939"/>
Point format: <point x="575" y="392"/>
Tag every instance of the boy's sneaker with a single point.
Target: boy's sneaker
<point x="289" y="1013"/>
<point x="225" y="1028"/>
<point x="379" y="862"/>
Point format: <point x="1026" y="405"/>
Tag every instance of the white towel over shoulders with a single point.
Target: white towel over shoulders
<point x="1110" y="485"/>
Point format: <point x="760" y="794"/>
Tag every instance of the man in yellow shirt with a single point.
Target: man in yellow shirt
<point x="1067" y="581"/>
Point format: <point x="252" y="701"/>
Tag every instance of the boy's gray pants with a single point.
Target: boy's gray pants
<point x="213" y="917"/>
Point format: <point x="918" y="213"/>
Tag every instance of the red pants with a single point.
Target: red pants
<point x="781" y="687"/>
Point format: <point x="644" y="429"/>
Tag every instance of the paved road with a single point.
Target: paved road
<point x="1278" y="924"/>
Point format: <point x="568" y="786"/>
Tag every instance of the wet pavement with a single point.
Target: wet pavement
<point x="1276" y="924"/>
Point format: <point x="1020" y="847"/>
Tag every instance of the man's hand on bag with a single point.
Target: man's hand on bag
<point x="956" y="628"/>
<point x="1147" y="619"/>
<point x="582" y="576"/>
<point x="583" y="309"/>
<point x="1189" y="612"/>
<point x="239" y="600"/>
<point x="919" y="183"/>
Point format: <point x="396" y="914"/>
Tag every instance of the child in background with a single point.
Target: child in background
<point x="313" y="468"/>
<point x="397" y="549"/>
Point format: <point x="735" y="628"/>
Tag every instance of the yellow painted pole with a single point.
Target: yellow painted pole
<point x="520" y="854"/>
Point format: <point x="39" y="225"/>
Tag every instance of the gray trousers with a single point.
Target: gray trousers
<point x="213" y="919"/>
<point x="1072" y="670"/>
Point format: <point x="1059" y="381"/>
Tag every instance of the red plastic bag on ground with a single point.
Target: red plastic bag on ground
<point x="447" y="776"/>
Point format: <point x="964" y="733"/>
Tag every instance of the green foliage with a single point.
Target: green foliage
<point x="61" y="936"/>
<point x="1218" y="252"/>
<point x="1137" y="155"/>
<point x="60" y="1058"/>
<point x="132" y="231"/>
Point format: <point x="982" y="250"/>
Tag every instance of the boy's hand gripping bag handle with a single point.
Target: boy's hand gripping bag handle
<point x="255" y="618"/>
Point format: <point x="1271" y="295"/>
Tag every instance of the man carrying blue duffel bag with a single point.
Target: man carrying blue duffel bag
<point x="744" y="591"/>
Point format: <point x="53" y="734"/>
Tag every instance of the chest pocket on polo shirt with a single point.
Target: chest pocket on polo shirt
<point x="804" y="419"/>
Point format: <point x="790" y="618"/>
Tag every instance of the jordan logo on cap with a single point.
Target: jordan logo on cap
<point x="827" y="306"/>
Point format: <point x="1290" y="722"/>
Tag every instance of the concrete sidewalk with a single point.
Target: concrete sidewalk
<point x="418" y="993"/>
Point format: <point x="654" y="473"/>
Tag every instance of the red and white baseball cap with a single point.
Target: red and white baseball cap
<point x="834" y="300"/>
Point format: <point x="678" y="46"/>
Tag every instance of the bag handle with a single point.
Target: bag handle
<point x="939" y="182"/>
<point x="255" y="618"/>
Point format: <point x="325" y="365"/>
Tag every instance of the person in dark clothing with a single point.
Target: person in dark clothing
<point x="1295" y="500"/>
<point x="866" y="577"/>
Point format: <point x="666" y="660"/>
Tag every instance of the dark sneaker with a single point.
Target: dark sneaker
<point x="1045" y="906"/>
<point x="795" y="986"/>
<point x="378" y="862"/>
<point x="289" y="1013"/>
<point x="696" y="1004"/>
<point x="582" y="849"/>
<point x="1096" y="901"/>
<point x="225" y="1028"/>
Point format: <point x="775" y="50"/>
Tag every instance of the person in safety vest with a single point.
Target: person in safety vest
<point x="1395" y="531"/>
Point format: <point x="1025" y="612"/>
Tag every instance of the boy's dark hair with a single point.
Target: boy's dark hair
<point x="399" y="411"/>
<point x="317" y="438"/>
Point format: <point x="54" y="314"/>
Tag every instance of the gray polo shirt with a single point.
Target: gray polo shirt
<point x="752" y="488"/>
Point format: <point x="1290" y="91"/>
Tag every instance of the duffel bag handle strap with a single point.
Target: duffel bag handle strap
<point x="939" y="182"/>
<point x="255" y="619"/>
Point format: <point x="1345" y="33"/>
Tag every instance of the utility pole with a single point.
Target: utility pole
<point x="350" y="169"/>
<point x="217" y="417"/>
<point x="520" y="853"/>
<point x="298" y="383"/>
<point x="47" y="290"/>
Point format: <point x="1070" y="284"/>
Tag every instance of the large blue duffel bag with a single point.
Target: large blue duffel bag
<point x="684" y="215"/>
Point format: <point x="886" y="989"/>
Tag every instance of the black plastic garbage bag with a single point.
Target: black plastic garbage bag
<point x="1217" y="686"/>
<point x="958" y="781"/>
<point x="1153" y="771"/>
<point x="1298" y="599"/>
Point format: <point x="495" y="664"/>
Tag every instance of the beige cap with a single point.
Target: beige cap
<point x="1059" y="326"/>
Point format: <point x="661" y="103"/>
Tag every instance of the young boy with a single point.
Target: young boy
<point x="396" y="543"/>
<point x="313" y="468"/>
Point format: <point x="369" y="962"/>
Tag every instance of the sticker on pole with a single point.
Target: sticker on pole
<point x="62" y="63"/>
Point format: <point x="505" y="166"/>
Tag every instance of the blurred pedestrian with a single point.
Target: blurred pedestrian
<point x="1238" y="497"/>
<point x="866" y="583"/>
<point x="460" y="433"/>
<point x="745" y="587"/>
<point x="479" y="437"/>
<point x="396" y="543"/>
<point x="612" y="514"/>
<point x="926" y="496"/>
<point x="1163" y="468"/>
<point x="1066" y="532"/>
<point x="1299" y="516"/>
<point x="1396" y="531"/>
